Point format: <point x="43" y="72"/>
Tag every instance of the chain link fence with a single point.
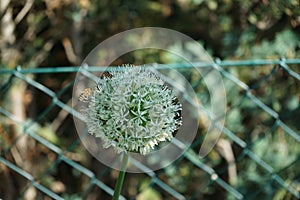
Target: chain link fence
<point x="257" y="156"/>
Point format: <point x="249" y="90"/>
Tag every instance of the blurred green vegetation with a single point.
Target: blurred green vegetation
<point x="41" y="33"/>
<point x="49" y="32"/>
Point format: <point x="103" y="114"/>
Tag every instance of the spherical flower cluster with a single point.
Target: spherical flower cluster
<point x="132" y="110"/>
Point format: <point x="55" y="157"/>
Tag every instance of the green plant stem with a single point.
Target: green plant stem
<point x="120" y="180"/>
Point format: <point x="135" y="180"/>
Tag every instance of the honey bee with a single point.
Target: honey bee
<point x="85" y="95"/>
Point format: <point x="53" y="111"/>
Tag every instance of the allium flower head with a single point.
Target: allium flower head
<point x="132" y="110"/>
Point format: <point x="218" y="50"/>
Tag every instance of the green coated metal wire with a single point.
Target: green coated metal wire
<point x="74" y="69"/>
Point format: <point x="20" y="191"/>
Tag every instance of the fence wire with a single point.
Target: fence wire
<point x="42" y="156"/>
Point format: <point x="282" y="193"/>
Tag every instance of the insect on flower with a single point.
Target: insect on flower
<point x="85" y="95"/>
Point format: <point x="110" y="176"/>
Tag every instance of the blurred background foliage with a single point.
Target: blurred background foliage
<point x="62" y="32"/>
<point x="47" y="33"/>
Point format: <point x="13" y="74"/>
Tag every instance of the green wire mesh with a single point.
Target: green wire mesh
<point x="261" y="170"/>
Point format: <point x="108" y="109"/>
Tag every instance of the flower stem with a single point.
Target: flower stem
<point x="121" y="177"/>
